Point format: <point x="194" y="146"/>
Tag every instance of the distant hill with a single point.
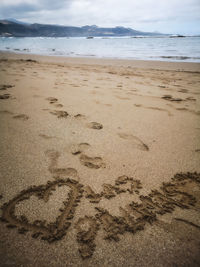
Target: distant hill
<point x="11" y="27"/>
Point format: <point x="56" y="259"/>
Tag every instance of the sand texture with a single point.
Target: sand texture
<point x="99" y="162"/>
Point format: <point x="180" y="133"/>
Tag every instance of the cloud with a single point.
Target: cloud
<point x="143" y="14"/>
<point x="21" y="8"/>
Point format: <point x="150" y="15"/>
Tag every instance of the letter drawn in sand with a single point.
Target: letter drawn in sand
<point x="179" y="193"/>
<point x="87" y="228"/>
<point x="92" y="162"/>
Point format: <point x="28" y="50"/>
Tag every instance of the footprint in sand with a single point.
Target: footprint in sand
<point x="6" y="112"/>
<point x="92" y="162"/>
<point x="190" y="98"/>
<point x="183" y="91"/>
<point x="5" y="86"/>
<point x="154" y="108"/>
<point x="171" y="98"/>
<point x="53" y="155"/>
<point x="59" y="105"/>
<point x="79" y="116"/>
<point x="135" y="140"/>
<point x="60" y="113"/>
<point x="31" y="60"/>
<point x="36" y="96"/>
<point x="47" y="136"/>
<point x="22" y="117"/>
<point x="5" y="96"/>
<point x="52" y="100"/>
<point x="59" y="172"/>
<point x="123" y="98"/>
<point x="196" y="112"/>
<point x="95" y="125"/>
<point x="76" y="149"/>
<point x="138" y="105"/>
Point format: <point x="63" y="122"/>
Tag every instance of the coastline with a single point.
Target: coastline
<point x="89" y="150"/>
<point x="143" y="64"/>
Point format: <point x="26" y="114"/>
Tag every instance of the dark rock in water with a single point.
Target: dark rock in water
<point x="177" y="36"/>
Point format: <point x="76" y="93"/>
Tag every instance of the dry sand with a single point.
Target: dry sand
<point x="83" y="142"/>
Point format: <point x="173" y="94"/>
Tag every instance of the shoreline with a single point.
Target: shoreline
<point x="142" y="64"/>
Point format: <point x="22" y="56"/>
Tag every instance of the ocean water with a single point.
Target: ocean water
<point x="149" y="48"/>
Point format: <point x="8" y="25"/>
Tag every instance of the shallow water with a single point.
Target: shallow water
<point x="151" y="48"/>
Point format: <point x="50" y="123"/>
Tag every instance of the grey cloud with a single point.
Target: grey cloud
<point x="16" y="10"/>
<point x="22" y="9"/>
<point x="53" y="4"/>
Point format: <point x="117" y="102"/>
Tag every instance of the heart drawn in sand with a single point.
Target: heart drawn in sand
<point x="51" y="231"/>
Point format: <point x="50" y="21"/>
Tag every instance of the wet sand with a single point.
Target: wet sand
<point x="100" y="162"/>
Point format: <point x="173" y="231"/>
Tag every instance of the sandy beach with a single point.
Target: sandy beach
<point x="99" y="162"/>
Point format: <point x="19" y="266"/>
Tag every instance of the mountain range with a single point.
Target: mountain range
<point x="12" y="27"/>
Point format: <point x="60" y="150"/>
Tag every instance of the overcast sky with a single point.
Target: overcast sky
<point x="167" y="16"/>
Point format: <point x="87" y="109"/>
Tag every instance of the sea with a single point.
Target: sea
<point x="184" y="49"/>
